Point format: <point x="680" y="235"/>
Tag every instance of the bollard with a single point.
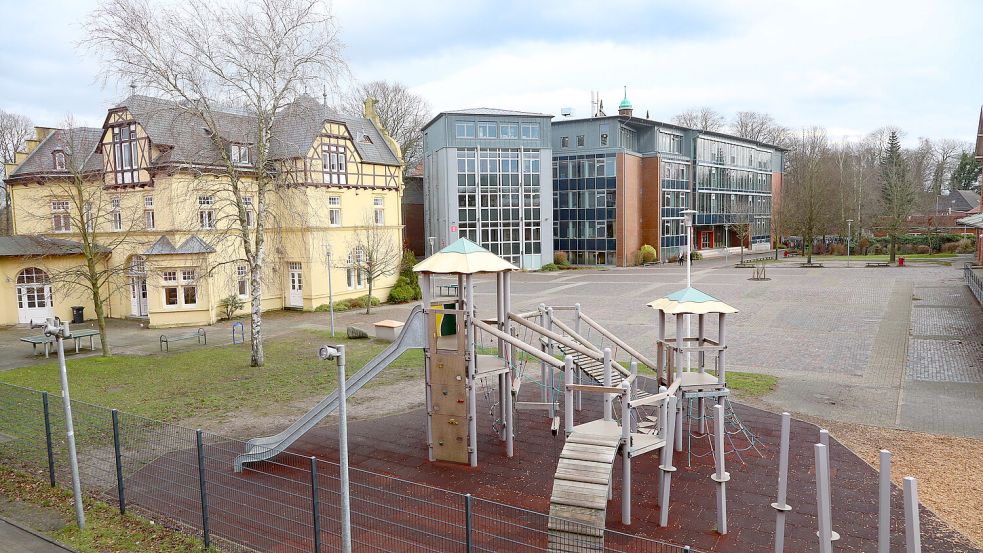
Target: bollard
<point x="199" y="442"/>
<point x="824" y="440"/>
<point x="468" y="523"/>
<point x="47" y="439"/>
<point x="119" y="464"/>
<point x="567" y="395"/>
<point x="780" y="505"/>
<point x="884" y="508"/>
<point x="315" y="506"/>
<point x="912" y="526"/>
<point x="822" y="499"/>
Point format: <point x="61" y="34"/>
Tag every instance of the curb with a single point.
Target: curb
<point x="38" y="535"/>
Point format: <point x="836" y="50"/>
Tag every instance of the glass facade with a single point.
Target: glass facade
<point x="498" y="192"/>
<point x="733" y="186"/>
<point x="674" y="182"/>
<point x="584" y="208"/>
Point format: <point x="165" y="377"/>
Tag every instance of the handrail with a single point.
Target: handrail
<point x="558" y="338"/>
<point x="528" y="314"/>
<point x="519" y="344"/>
<point x="573" y="334"/>
<point x="616" y="390"/>
<point x="655" y="398"/>
<point x="630" y="350"/>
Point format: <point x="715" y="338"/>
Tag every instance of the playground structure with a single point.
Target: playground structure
<point x="463" y="353"/>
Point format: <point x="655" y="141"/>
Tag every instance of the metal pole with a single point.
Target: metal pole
<point x="568" y="395"/>
<point x="346" y="509"/>
<point x="607" y="382"/>
<point x="884" y="507"/>
<point x="780" y="506"/>
<point x="849" y="235"/>
<point x="824" y="440"/>
<point x="119" y="464"/>
<point x="822" y="499"/>
<point x="47" y="438"/>
<point x="912" y="533"/>
<point x="60" y="331"/>
<point x="330" y="292"/>
<point x="315" y="506"/>
<point x="626" y="453"/>
<point x="721" y="476"/>
<point x="576" y="328"/>
<point x="200" y="444"/>
<point x="666" y="467"/>
<point x="468" y="526"/>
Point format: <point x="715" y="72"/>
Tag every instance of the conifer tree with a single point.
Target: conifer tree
<point x="897" y="191"/>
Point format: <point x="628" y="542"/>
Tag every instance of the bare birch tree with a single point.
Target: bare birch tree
<point x="258" y="56"/>
<point x="742" y="223"/>
<point x="401" y="112"/>
<point x="374" y="253"/>
<point x="14" y="131"/>
<point x="807" y="188"/>
<point x="703" y="118"/>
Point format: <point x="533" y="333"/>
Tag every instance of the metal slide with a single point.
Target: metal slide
<point x="413" y="336"/>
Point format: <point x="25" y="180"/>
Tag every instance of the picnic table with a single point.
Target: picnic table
<point x="48" y="341"/>
<point x="447" y="290"/>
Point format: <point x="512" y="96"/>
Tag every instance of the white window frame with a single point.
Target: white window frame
<point x="334" y="163"/>
<point x="379" y="208"/>
<point x="242" y="280"/>
<point x="464" y="129"/>
<point x="59" y="160"/>
<point x="247" y="205"/>
<point x="61" y="219"/>
<point x="334" y="211"/>
<point x="188" y="282"/>
<point x="116" y="215"/>
<point x="149" y="218"/>
<point x="206" y="212"/>
<point x="239" y="154"/>
<point x="533" y="131"/>
<point x="487" y="129"/>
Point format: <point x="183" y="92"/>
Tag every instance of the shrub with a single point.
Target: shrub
<point x="349" y="304"/>
<point x="561" y="258"/>
<point x="838" y="249"/>
<point x="950" y="247"/>
<point x="673" y="259"/>
<point x="549" y="267"/>
<point x="863" y="245"/>
<point x="230" y="304"/>
<point x="923" y="249"/>
<point x="403" y="291"/>
<point x="906" y="249"/>
<point x="875" y="250"/>
<point x="696" y="256"/>
<point x="965" y="246"/>
<point x="648" y="254"/>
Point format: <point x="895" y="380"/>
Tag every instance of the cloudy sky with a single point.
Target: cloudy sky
<point x="851" y="66"/>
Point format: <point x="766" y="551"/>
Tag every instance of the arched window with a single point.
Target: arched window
<point x="138" y="265"/>
<point x="33" y="275"/>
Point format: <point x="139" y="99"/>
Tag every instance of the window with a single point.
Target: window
<point x="59" y="158"/>
<point x="61" y="220"/>
<point x="242" y="273"/>
<point x="355" y="273"/>
<point x="334" y="211"/>
<point x="379" y="204"/>
<point x="628" y="139"/>
<point x="605" y="132"/>
<point x="206" y="215"/>
<point x="125" y="153"/>
<point x="90" y="224"/>
<point x="671" y="143"/>
<point x="189" y="289"/>
<point x="465" y="129"/>
<point x="509" y="130"/>
<point x="530" y="131"/>
<point x="365" y="139"/>
<point x="564" y="141"/>
<point x="487" y="129"/>
<point x="239" y="154"/>
<point x="334" y="164"/>
<point x="170" y="287"/>
<point x="148" y="213"/>
<point x="247" y="205"/>
<point x="116" y="216"/>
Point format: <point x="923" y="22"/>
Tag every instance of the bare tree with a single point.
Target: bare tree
<point x="945" y="156"/>
<point x="401" y="112"/>
<point x="703" y="118"/>
<point x="374" y="253"/>
<point x="95" y="216"/>
<point x="258" y="56"/>
<point x="14" y="131"/>
<point x="742" y="223"/>
<point x="807" y="187"/>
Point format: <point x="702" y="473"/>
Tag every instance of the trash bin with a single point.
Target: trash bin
<point x="900" y="262"/>
<point x="77" y="316"/>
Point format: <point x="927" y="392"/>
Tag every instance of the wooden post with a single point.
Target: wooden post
<point x="912" y="526"/>
<point x="660" y="358"/>
<point x="884" y="507"/>
<point x="678" y="413"/>
<point x="720" y="476"/>
<point x="722" y="337"/>
<point x="780" y="506"/>
<point x="429" y="321"/>
<point x="472" y="392"/>
<point x="701" y="360"/>
<point x="607" y="382"/>
<point x="666" y="467"/>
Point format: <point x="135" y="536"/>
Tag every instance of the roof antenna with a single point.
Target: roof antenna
<point x="324" y="95"/>
<point x="133" y="87"/>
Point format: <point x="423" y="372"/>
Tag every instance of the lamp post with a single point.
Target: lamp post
<point x="727" y="243"/>
<point x="849" y="235"/>
<point x="330" y="292"/>
<point x="431" y="240"/>
<point x="688" y="221"/>
<point x="337" y="353"/>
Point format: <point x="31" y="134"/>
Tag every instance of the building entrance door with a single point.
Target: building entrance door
<point x="33" y="296"/>
<point x="296" y="292"/>
<point x="138" y="297"/>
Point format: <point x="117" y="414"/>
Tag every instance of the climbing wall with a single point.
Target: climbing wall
<point x="578" y="505"/>
<point x="448" y="388"/>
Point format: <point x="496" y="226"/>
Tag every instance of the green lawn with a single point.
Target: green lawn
<point x="208" y="381"/>
<point x="883" y="257"/>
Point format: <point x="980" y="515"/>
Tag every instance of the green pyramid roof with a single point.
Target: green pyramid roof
<point x="463" y="245"/>
<point x="691" y="295"/>
<point x="625" y="104"/>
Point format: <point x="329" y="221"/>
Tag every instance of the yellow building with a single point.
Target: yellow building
<point x="148" y="187"/>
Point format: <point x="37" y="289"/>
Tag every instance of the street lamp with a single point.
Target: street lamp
<point x="337" y="353"/>
<point x="330" y="292"/>
<point x="849" y="235"/>
<point x="688" y="221"/>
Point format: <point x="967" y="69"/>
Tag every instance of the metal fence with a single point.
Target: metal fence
<point x="974" y="280"/>
<point x="288" y="504"/>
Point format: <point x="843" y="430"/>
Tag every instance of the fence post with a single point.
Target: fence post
<point x="201" y="486"/>
<point x="315" y="509"/>
<point x="913" y="533"/>
<point x="884" y="506"/>
<point x="47" y="439"/>
<point x="468" y="510"/>
<point x="119" y="464"/>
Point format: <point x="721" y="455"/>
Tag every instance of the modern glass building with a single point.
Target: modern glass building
<point x="621" y="182"/>
<point x="486" y="177"/>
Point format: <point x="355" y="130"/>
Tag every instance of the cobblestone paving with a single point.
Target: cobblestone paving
<point x="954" y="361"/>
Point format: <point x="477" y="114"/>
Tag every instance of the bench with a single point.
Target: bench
<point x="811" y="265"/>
<point x="48" y="341"/>
<point x="447" y="290"/>
<point x="388" y="329"/>
<point x="166" y="340"/>
<point x="878" y="264"/>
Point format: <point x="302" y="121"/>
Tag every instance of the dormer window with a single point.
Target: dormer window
<point x="59" y="157"/>
<point x="239" y="154"/>
<point x="366" y="139"/>
<point x="125" y="154"/>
